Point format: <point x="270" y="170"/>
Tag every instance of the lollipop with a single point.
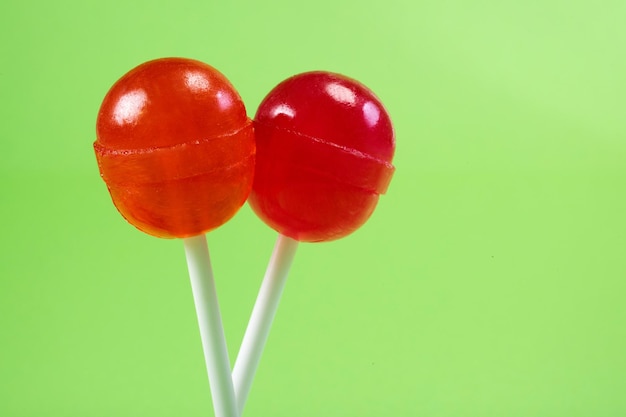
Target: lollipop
<point x="325" y="143"/>
<point x="175" y="147"/>
<point x="324" y="149"/>
<point x="176" y="150"/>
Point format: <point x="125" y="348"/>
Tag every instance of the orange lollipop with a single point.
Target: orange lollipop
<point x="176" y="150"/>
<point x="175" y="147"/>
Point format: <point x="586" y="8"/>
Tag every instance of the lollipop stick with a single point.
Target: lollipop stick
<point x="262" y="316"/>
<point x="211" y="329"/>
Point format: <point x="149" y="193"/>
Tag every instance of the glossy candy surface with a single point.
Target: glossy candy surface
<point x="324" y="149"/>
<point x="175" y="147"/>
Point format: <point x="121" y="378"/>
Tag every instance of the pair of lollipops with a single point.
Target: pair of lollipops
<point x="180" y="157"/>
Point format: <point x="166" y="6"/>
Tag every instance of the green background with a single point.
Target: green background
<point x="489" y="282"/>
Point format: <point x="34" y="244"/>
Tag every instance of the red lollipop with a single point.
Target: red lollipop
<point x="325" y="144"/>
<point x="176" y="150"/>
<point x="324" y="148"/>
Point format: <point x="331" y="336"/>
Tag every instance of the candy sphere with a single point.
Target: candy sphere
<point x="175" y="147"/>
<point x="324" y="149"/>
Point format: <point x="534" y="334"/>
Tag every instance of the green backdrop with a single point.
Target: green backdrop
<point x="489" y="282"/>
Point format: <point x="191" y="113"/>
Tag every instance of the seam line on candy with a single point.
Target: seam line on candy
<point x="108" y="151"/>
<point x="345" y="149"/>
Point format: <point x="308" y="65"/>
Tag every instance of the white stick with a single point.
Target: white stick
<point x="211" y="328"/>
<point x="262" y="316"/>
